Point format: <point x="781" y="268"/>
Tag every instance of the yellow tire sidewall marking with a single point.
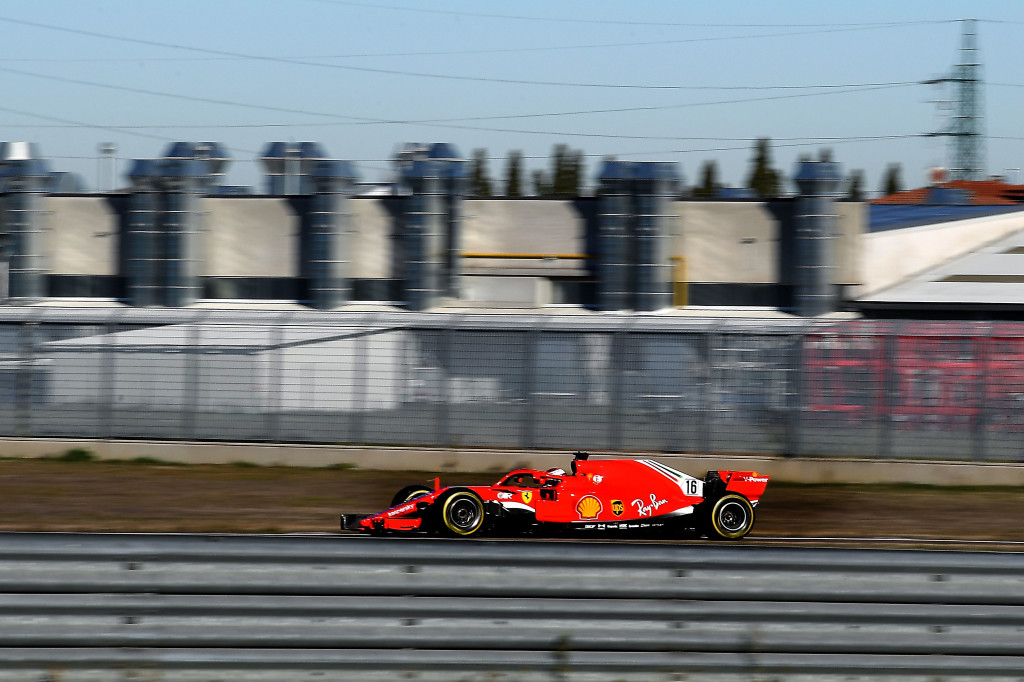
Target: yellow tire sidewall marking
<point x="448" y="503"/>
<point x="745" y="504"/>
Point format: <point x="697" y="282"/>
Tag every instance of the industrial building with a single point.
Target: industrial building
<point x="178" y="237"/>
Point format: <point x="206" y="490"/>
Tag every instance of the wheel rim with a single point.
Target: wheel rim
<point x="463" y="514"/>
<point x="733" y="517"/>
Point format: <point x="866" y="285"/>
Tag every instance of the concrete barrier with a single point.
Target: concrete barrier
<point x="788" y="469"/>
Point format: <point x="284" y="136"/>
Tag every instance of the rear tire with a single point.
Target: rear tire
<point x="462" y="513"/>
<point x="731" y="517"/>
<point x="409" y="493"/>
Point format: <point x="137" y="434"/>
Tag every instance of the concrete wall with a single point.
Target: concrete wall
<point x="370" y="239"/>
<point x="726" y="242"/>
<point x="249" y="236"/>
<point x="498" y="291"/>
<point x="81" y="236"/>
<point x="523" y="226"/>
<point x="738" y="242"/>
<point x="887" y="258"/>
<point x="851" y="228"/>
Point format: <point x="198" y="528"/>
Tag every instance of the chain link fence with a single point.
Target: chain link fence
<point x="599" y="382"/>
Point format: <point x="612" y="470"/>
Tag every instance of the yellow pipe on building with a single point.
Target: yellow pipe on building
<point x="680" y="285"/>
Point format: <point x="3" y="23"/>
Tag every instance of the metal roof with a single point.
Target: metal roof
<point x="883" y="217"/>
<point x="763" y="321"/>
<point x="215" y="337"/>
<point x="991" y="276"/>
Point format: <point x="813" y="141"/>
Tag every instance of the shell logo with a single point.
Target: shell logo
<point x="588" y="508"/>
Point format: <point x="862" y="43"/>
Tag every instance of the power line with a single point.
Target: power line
<point x="809" y="143"/>
<point x="96" y="126"/>
<point x="777" y="142"/>
<point x="578" y="20"/>
<point x="450" y="122"/>
<point x="692" y="88"/>
<point x="203" y="126"/>
<point x="190" y="98"/>
<point x="430" y="53"/>
<point x="453" y="123"/>
<point x="814" y="139"/>
<point x="347" y="67"/>
<point x="787" y="143"/>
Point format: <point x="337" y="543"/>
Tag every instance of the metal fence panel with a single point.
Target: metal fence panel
<point x="488" y="389"/>
<point x="628" y="383"/>
<point x="843" y="390"/>
<point x="1000" y="395"/>
<point x="44" y="374"/>
<point x="661" y="391"/>
<point x="227" y="383"/>
<point x="323" y="379"/>
<point x="399" y="388"/>
<point x="747" y="402"/>
<point x="574" y="401"/>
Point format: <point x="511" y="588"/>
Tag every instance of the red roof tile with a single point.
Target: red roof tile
<point x="980" y="192"/>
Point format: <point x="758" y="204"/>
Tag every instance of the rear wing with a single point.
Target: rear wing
<point x="750" y="484"/>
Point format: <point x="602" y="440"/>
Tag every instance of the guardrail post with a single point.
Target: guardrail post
<point x="887" y="393"/>
<point x="189" y="408"/>
<point x="24" y="393"/>
<point x="528" y="418"/>
<point x="444" y="430"/>
<point x="704" y="411"/>
<point x="359" y="390"/>
<point x="275" y="376"/>
<point x="796" y="398"/>
<point x="618" y="363"/>
<point x="979" y="427"/>
<point x="108" y="367"/>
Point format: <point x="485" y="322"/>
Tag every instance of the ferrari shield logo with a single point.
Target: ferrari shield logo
<point x="618" y="507"/>
<point x="527" y="496"/>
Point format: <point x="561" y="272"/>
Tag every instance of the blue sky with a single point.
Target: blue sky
<point x="654" y="80"/>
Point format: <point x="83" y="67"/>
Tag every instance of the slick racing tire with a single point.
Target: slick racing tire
<point x="732" y="517"/>
<point x="408" y="493"/>
<point x="462" y="514"/>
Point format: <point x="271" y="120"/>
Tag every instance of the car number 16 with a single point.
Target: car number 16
<point x="694" y="488"/>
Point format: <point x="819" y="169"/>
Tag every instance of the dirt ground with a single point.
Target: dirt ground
<point x="53" y="495"/>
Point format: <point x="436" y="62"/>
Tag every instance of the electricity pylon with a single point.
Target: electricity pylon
<point x="967" y="149"/>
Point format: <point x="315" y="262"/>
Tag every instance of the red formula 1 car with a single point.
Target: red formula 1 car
<point x="620" y="496"/>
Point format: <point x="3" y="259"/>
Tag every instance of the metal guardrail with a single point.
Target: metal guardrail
<point x="178" y="607"/>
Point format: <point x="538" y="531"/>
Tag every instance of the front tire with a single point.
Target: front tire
<point x="462" y="513"/>
<point x="732" y="517"/>
<point x="409" y="493"/>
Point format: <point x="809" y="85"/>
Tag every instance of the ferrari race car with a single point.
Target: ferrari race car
<point x="614" y="496"/>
